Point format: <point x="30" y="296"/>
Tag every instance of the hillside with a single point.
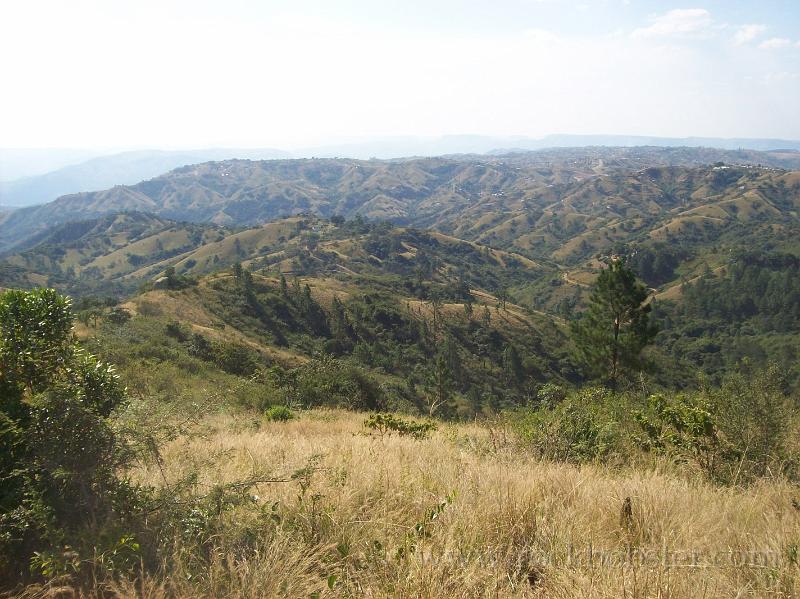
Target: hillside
<point x="102" y="255"/>
<point x="120" y="252"/>
<point x="430" y="192"/>
<point x="528" y="227"/>
<point x="100" y="172"/>
<point x="432" y="335"/>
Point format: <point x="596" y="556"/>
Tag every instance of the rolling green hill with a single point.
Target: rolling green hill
<point x="527" y="228"/>
<point x="421" y="314"/>
<point x="479" y="195"/>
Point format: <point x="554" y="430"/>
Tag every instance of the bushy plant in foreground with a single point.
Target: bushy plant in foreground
<point x="733" y="434"/>
<point x="578" y="428"/>
<point x="61" y="500"/>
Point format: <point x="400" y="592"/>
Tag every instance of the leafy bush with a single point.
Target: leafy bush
<point x="327" y="381"/>
<point x="388" y="424"/>
<point x="682" y="426"/>
<point x="580" y="428"/>
<point x="59" y="454"/>
<point x="550" y="394"/>
<point x="118" y="316"/>
<point x="279" y="414"/>
<point x="736" y="433"/>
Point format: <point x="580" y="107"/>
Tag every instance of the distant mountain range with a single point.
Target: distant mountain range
<point x="561" y="205"/>
<point x="23" y="182"/>
<point x="125" y="168"/>
<point x="398" y="147"/>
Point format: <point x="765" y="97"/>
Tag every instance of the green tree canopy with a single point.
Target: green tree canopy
<point x="611" y="334"/>
<point x="58" y="453"/>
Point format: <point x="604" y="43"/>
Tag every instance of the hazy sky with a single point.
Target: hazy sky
<point x="197" y="73"/>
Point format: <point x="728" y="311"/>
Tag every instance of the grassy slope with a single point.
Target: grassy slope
<point x="507" y="532"/>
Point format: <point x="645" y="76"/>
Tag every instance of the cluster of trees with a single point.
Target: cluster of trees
<point x="749" y="309"/>
<point x="760" y="289"/>
<point x="449" y="352"/>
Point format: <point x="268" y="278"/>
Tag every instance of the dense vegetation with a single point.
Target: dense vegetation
<point x="748" y="310"/>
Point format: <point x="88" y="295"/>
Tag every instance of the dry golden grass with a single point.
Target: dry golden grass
<point x="512" y="526"/>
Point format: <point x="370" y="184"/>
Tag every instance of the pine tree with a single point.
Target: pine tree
<point x="284" y="287"/>
<point x="512" y="365"/>
<point x="440" y="387"/>
<point x="611" y="334"/>
<point x="468" y="309"/>
<point x="237" y="270"/>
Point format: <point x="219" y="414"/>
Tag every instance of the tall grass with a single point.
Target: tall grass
<point x="460" y="514"/>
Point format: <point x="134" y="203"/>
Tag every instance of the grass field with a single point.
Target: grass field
<point x="464" y="513"/>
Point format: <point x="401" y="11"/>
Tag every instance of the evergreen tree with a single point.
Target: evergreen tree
<point x="172" y="278"/>
<point x="611" y="334"/>
<point x="512" y="365"/>
<point x="452" y="357"/>
<point x="468" y="308"/>
<point x="284" y="287"/>
<point x="237" y="270"/>
<point x="440" y="387"/>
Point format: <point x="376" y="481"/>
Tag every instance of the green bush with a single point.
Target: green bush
<point x="279" y="414"/>
<point x="682" y="426"/>
<point x="61" y="500"/>
<point x="387" y="424"/>
<point x="735" y="434"/>
<point x="581" y="428"/>
<point x="328" y="381"/>
<point x="550" y="394"/>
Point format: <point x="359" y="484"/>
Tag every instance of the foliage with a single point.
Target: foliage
<point x="580" y="428"/>
<point x="611" y="335"/>
<point x="278" y="414"/>
<point x="387" y="424"/>
<point x="60" y="454"/>
<point x="684" y="426"/>
<point x="550" y="395"/>
<point x="749" y="309"/>
<point x="734" y="434"/>
<point x="328" y="381"/>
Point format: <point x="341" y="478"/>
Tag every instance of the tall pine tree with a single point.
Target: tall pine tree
<point x="611" y="334"/>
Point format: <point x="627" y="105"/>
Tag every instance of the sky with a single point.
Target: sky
<point x="288" y="74"/>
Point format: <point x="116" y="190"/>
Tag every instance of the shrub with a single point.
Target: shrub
<point x="235" y="358"/>
<point x="278" y="414"/>
<point x="118" y="316"/>
<point x="388" y="424"/>
<point x="327" y="381"/>
<point x="682" y="426"/>
<point x="735" y="434"/>
<point x="550" y="394"/>
<point x="59" y="455"/>
<point x="754" y="413"/>
<point x="580" y="428"/>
